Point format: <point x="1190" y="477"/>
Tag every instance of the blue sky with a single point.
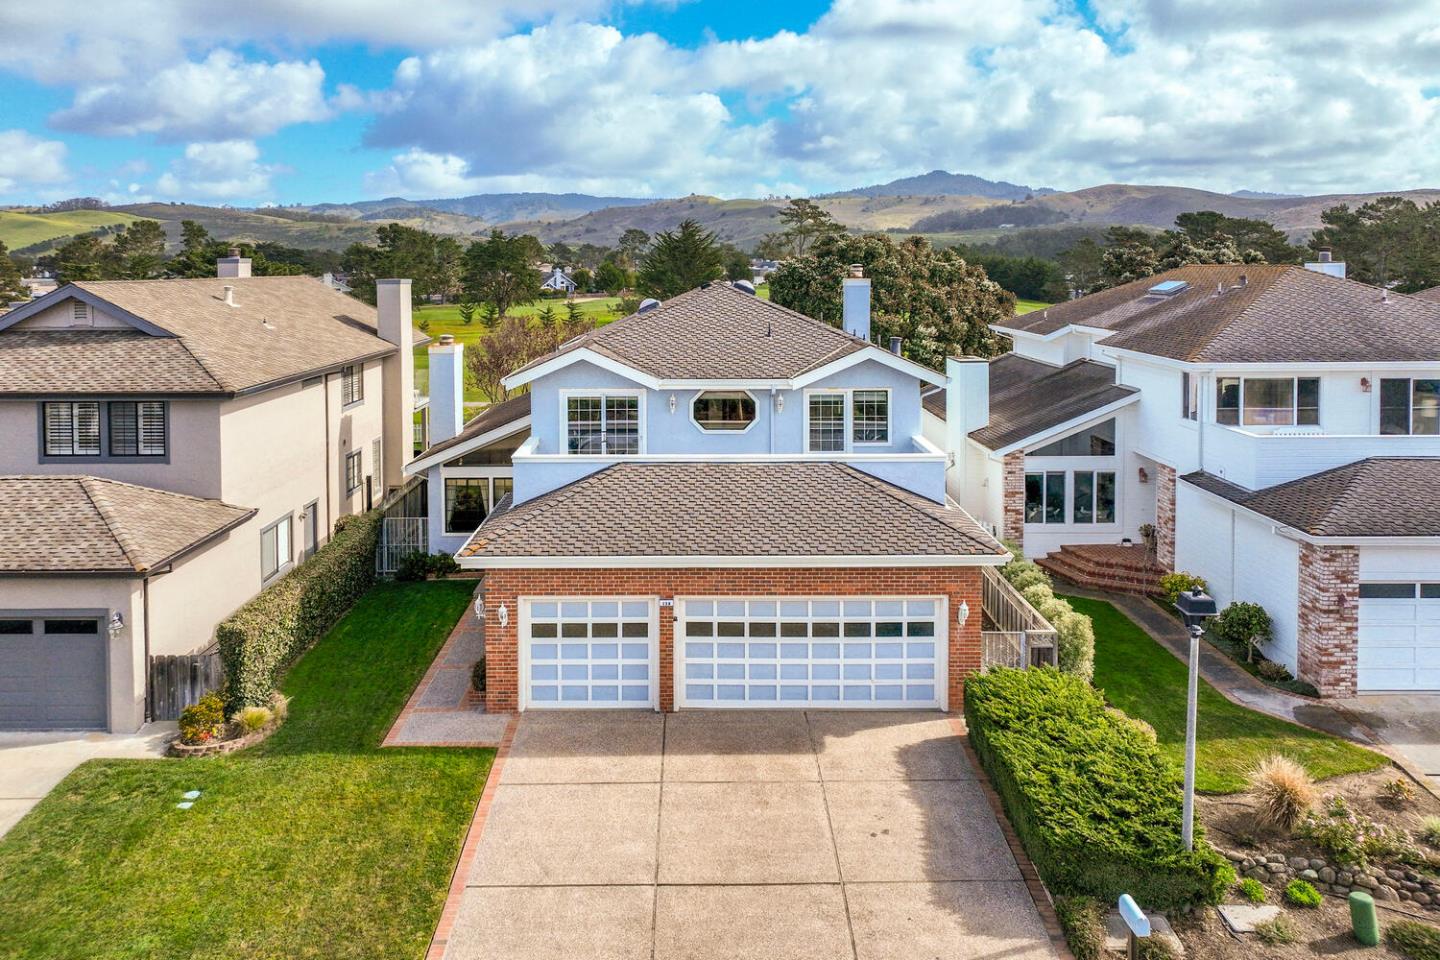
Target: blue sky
<point x="271" y="102"/>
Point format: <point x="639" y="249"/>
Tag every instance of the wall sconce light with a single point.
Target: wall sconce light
<point x="1144" y="475"/>
<point x="1364" y="384"/>
<point x="963" y="613"/>
<point x="117" y="623"/>
<point x="672" y="403"/>
<point x="480" y="608"/>
<point x="779" y="403"/>
<point x="504" y="615"/>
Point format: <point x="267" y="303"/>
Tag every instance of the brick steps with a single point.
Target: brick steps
<point x="1106" y="567"/>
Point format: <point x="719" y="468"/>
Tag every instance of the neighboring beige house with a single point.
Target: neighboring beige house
<point x="167" y="449"/>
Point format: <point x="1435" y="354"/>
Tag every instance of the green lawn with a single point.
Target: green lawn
<point x="19" y="229"/>
<point x="314" y="844"/>
<point x="1142" y="678"/>
<point x="1030" y="306"/>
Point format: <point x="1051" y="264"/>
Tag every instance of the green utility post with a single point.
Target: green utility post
<point x="1362" y="919"/>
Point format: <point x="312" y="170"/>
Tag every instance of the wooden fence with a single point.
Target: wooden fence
<point x="178" y="681"/>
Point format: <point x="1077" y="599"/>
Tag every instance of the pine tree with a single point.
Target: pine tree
<point x="11" y="289"/>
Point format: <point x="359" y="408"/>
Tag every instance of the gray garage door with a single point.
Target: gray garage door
<point x="52" y="673"/>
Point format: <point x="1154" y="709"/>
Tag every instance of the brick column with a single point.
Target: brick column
<point x="1165" y="516"/>
<point x="1012" y="525"/>
<point x="1329" y="618"/>
<point x="502" y="645"/>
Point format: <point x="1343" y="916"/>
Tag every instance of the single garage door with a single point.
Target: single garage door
<point x="877" y="652"/>
<point x="1399" y="646"/>
<point x="52" y="673"/>
<point x="591" y="653"/>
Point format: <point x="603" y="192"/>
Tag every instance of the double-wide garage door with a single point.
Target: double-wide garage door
<point x="1399" y="645"/>
<point x="760" y="652"/>
<point x="52" y="673"/>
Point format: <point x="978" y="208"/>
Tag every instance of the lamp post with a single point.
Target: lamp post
<point x="1195" y="606"/>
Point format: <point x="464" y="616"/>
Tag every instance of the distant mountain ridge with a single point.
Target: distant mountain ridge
<point x="941" y="183"/>
<point x="490" y="207"/>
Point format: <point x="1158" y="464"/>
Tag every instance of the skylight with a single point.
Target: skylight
<point x="1168" y="288"/>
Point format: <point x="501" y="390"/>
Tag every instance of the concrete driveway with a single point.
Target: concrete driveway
<point x="32" y="763"/>
<point x="742" y="836"/>
<point x="1408" y="722"/>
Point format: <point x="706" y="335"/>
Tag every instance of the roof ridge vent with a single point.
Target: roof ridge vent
<point x="646" y="305"/>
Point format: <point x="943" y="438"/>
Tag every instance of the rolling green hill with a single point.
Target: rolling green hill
<point x="19" y="229"/>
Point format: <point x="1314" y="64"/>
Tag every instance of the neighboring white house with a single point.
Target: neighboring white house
<point x="1277" y="426"/>
<point x="558" y="282"/>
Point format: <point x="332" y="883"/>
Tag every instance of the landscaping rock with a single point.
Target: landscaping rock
<point x="1275" y="858"/>
<point x="1244" y="917"/>
<point x="1345" y="877"/>
<point x="1368" y="882"/>
<point x="1310" y="875"/>
<point x="1316" y="863"/>
<point x="1276" y="867"/>
<point x="1327" y="874"/>
<point x="1385" y="893"/>
<point x="1395" y="874"/>
<point x="1298" y="863"/>
<point x="1258" y="873"/>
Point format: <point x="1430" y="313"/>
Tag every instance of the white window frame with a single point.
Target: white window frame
<point x="357" y="456"/>
<point x="352" y="382"/>
<point x="283" y="561"/>
<point x="523" y="637"/>
<point x="1073" y="491"/>
<point x="849" y="394"/>
<point x="1190" y="396"/>
<point x="941" y="640"/>
<point x="1294" y="401"/>
<point x="1044" y="474"/>
<point x="568" y="394"/>
<point x="1409" y="406"/>
<point x="709" y="432"/>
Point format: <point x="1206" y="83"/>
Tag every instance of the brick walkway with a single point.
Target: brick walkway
<point x="443" y="711"/>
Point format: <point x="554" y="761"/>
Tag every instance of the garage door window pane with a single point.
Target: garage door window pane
<point x="14" y="627"/>
<point x="72" y="626"/>
<point x="1430" y="591"/>
<point x="1387" y="591"/>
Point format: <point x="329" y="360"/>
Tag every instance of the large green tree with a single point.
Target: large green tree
<point x="11" y="289"/>
<point x="803" y="224"/>
<point x="633" y="243"/>
<point x="503" y="271"/>
<point x="140" y="249"/>
<point x="1249" y="236"/>
<point x="1388" y="241"/>
<point x="934" y="300"/>
<point x="681" y="260"/>
<point x="84" y="258"/>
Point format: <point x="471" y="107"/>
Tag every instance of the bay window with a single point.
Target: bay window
<point x="1267" y="401"/>
<point x="607" y="424"/>
<point x="1410" y="406"/>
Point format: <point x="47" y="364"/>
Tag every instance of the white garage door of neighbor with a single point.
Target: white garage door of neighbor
<point x="1399" y="646"/>
<point x="599" y="652"/>
<point x="811" y="652"/>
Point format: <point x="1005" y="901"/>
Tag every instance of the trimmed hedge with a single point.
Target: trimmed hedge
<point x="1075" y="643"/>
<point x="1089" y="794"/>
<point x="265" y="636"/>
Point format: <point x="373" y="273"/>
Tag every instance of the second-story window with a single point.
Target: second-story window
<point x="1267" y="401"/>
<point x="605" y="424"/>
<point x="72" y="428"/>
<point x="827" y="423"/>
<point x="352" y="384"/>
<point x="841" y="419"/>
<point x="871" y="416"/>
<point x="1189" y="396"/>
<point x="137" y="428"/>
<point x="723" y="411"/>
<point x="353" y="471"/>
<point x="1410" y="406"/>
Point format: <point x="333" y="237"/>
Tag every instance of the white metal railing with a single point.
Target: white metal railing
<point x="1022" y="637"/>
<point x="399" y="536"/>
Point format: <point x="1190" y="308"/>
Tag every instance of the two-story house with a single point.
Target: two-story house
<point x="720" y="502"/>
<point x="167" y="449"/>
<point x="1278" y="427"/>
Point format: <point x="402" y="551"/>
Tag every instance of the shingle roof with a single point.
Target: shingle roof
<point x="491" y="418"/>
<point x="1281" y="314"/>
<point x="1432" y="294"/>
<point x="279" y="328"/>
<point x="716" y="332"/>
<point x="776" y="510"/>
<point x="71" y="524"/>
<point x="1029" y="397"/>
<point x="1379" y="497"/>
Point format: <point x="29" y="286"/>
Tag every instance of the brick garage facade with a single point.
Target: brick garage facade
<point x="1012" y="505"/>
<point x="502" y="651"/>
<point x="1165" y="516"/>
<point x="1329" y="618"/>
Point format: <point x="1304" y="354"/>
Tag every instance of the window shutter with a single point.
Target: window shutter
<point x="87" y="429"/>
<point x="151" y="418"/>
<point x="59" y="430"/>
<point x="124" y="431"/>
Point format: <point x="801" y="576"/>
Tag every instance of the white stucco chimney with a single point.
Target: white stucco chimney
<point x="392" y="304"/>
<point x="447" y="388"/>
<point x="1325" y="263"/>
<point x="233" y="265"/>
<point x="967" y="408"/>
<point x="855" y="292"/>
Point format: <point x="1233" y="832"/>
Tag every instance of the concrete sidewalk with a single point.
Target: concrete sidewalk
<point x="31" y="764"/>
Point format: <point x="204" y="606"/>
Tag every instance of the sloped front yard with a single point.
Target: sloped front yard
<point x="314" y="844"/>
<point x="1142" y="678"/>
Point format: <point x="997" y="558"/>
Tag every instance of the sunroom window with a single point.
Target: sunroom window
<point x="1045" y="497"/>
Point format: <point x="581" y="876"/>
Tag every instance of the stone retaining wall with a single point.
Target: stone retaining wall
<point x="1393" y="884"/>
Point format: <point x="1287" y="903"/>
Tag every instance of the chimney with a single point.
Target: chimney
<point x="855" y="292"/>
<point x="447" y="388"/>
<point x="233" y="266"/>
<point x="895" y="345"/>
<point x="1325" y="263"/>
<point x="392" y="306"/>
<point x="967" y="408"/>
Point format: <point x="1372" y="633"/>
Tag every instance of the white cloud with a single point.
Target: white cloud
<point x="28" y="161"/>
<point x="228" y="170"/>
<point x="221" y="97"/>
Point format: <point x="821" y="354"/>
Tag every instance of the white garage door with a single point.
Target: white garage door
<point x="591" y="653"/>
<point x="1399" y="645"/>
<point x="810" y="652"/>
